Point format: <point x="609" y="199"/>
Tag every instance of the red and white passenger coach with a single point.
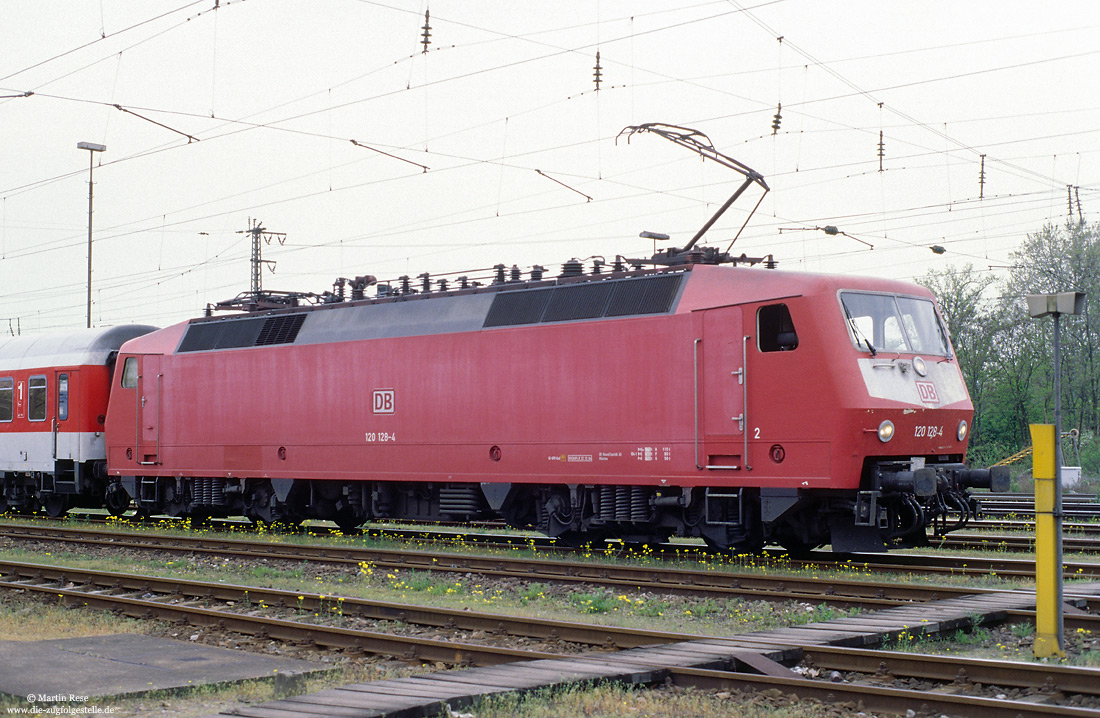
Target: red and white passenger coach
<point x="53" y="402"/>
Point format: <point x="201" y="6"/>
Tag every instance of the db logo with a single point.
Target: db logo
<point x="383" y="401"/>
<point x="927" y="392"/>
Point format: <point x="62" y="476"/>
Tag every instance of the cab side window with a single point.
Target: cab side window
<point x="130" y="373"/>
<point x="775" y="329"/>
<point x="36" y="398"/>
<point x="7" y="399"/>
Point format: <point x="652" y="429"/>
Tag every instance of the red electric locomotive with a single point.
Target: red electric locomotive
<point x="53" y="400"/>
<point x="742" y="405"/>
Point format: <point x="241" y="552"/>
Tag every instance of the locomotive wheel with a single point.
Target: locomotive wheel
<point x="746" y="547"/>
<point x="55" y="505"/>
<point x="749" y="547"/>
<point x="348" y="522"/>
<point x="637" y="540"/>
<point x="576" y="539"/>
<point x="797" y="548"/>
<point x="116" y="500"/>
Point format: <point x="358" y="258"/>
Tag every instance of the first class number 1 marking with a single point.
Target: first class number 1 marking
<point x="376" y="436"/>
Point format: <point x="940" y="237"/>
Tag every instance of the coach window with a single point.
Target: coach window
<point x="62" y="397"/>
<point x="36" y="398"/>
<point x="130" y="373"/>
<point x="775" y="329"/>
<point x="7" y="398"/>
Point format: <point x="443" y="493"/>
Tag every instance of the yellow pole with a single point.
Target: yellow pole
<point x="1048" y="537"/>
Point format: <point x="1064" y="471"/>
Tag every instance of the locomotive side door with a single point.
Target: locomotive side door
<point x="722" y="391"/>
<point x="148" y="408"/>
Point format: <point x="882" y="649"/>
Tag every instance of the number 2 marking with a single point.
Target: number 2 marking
<point x="757" y="434"/>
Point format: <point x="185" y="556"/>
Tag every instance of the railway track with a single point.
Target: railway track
<point x="942" y="693"/>
<point x="815" y="587"/>
<point x="693" y="582"/>
<point x="1079" y="537"/>
<point x="1081" y="528"/>
<point x="1084" y="507"/>
<point x="236" y="606"/>
<point x="263" y="613"/>
<point x="891" y="562"/>
<point x="964" y="684"/>
<point x="1015" y="543"/>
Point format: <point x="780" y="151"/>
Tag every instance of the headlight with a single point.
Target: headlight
<point x="961" y="433"/>
<point x="919" y="366"/>
<point x="886" y="431"/>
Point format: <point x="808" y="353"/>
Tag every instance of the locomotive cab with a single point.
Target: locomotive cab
<point x="850" y="423"/>
<point x="915" y="476"/>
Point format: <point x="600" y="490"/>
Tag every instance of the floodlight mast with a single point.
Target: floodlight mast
<point x="92" y="148"/>
<point x="698" y="142"/>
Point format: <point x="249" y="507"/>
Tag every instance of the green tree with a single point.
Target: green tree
<point x="1061" y="259"/>
<point x="973" y="324"/>
<point x="1007" y="357"/>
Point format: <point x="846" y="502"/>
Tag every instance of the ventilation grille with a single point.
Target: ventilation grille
<point x="615" y="298"/>
<point x="577" y="301"/>
<point x="280" y="330"/>
<point x="239" y="333"/>
<point x="647" y="296"/>
<point x="517" y="308"/>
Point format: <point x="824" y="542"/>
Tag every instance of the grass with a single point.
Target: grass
<point x="23" y="620"/>
<point x="628" y="608"/>
<point x="26" y="618"/>
<point x="702" y="616"/>
<point x="614" y="701"/>
<point x="707" y="616"/>
<point x="1004" y="642"/>
<point x="611" y="553"/>
<point x="206" y="700"/>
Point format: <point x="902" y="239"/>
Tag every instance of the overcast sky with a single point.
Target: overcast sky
<point x="249" y="110"/>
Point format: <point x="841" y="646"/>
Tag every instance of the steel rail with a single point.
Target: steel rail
<point x="1047" y="678"/>
<point x="890" y="562"/>
<point x="780" y="587"/>
<point x="455" y="619"/>
<point x="116" y="591"/>
<point x="814" y="589"/>
<point x="439" y="533"/>
<point x="1016" y="526"/>
<point x="406" y="647"/>
<point x="1016" y="543"/>
<point x="876" y="698"/>
<point x="952" y="565"/>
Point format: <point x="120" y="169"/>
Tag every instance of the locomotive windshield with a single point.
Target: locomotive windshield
<point x="885" y="322"/>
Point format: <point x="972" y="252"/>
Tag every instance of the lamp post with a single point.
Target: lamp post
<point x="1049" y="618"/>
<point x="92" y="149"/>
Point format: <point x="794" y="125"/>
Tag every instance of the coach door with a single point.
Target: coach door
<point x="148" y="408"/>
<point x="721" y="391"/>
<point x="65" y="444"/>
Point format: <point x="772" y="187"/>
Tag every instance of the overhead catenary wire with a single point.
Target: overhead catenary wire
<point x="172" y="212"/>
